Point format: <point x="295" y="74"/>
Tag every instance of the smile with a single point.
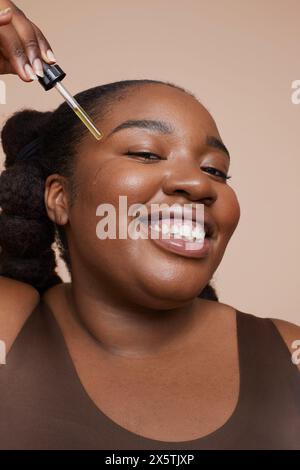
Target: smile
<point x="186" y="238"/>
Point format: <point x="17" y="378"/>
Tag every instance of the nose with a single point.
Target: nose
<point x="186" y="179"/>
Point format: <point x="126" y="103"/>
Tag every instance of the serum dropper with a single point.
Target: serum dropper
<point x="53" y="75"/>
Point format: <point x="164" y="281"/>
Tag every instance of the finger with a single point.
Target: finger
<point x="29" y="41"/>
<point x="12" y="50"/>
<point x="45" y="48"/>
<point x="6" y="67"/>
<point x="5" y="16"/>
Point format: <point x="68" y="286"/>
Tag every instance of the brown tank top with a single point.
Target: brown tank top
<point x="43" y="404"/>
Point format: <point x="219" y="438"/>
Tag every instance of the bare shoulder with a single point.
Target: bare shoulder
<point x="226" y="313"/>
<point x="290" y="333"/>
<point x="17" y="301"/>
<point x="220" y="316"/>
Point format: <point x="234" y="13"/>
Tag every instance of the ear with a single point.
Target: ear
<point x="56" y="199"/>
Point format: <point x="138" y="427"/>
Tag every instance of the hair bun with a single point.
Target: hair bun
<point x="20" y="129"/>
<point x="23" y="237"/>
<point x="22" y="191"/>
<point x="39" y="271"/>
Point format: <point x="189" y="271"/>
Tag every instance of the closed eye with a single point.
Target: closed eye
<point x="220" y="175"/>
<point x="148" y="155"/>
<point x="145" y="155"/>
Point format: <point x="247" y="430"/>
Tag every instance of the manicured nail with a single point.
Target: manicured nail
<point x="51" y="56"/>
<point x="38" y="67"/>
<point x="29" y="72"/>
<point x="4" y="12"/>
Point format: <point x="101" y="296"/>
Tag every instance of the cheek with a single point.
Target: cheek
<point x="112" y="180"/>
<point x="227" y="213"/>
<point x="120" y="186"/>
<point x="104" y="185"/>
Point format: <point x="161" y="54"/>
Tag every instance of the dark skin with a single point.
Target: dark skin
<point x="133" y="324"/>
<point x="17" y="300"/>
<point x="155" y="338"/>
<point x="22" y="46"/>
<point x="158" y="278"/>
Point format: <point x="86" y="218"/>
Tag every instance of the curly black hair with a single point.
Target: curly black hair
<point x="27" y="234"/>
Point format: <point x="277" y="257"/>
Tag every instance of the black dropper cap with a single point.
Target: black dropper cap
<point x="52" y="75"/>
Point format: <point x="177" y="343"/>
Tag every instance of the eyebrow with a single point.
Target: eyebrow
<point x="165" y="128"/>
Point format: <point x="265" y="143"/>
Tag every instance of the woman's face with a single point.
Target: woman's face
<point x="139" y="270"/>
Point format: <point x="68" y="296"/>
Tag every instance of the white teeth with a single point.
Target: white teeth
<point x="198" y="233"/>
<point x="175" y="229"/>
<point x="185" y="231"/>
<point x="165" y="228"/>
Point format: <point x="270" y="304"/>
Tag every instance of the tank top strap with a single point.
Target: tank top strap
<point x="270" y="381"/>
<point x="38" y="350"/>
<point x="45" y="406"/>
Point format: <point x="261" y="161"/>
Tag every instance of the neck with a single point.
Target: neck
<point x="129" y="330"/>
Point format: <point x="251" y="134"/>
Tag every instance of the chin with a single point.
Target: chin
<point x="163" y="294"/>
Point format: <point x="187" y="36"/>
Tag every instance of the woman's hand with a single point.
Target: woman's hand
<point x="22" y="44"/>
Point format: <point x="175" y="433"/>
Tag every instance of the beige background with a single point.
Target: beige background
<point x="240" y="58"/>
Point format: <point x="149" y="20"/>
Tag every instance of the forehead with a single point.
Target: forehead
<point x="185" y="114"/>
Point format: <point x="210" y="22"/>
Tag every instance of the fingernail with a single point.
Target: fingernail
<point x="29" y="72"/>
<point x="4" y="12"/>
<point x="38" y="67"/>
<point x="51" y="56"/>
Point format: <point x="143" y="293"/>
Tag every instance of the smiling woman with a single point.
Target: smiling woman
<point x="139" y="324"/>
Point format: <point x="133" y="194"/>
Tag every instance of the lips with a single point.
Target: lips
<point x="152" y="224"/>
<point x="187" y="214"/>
